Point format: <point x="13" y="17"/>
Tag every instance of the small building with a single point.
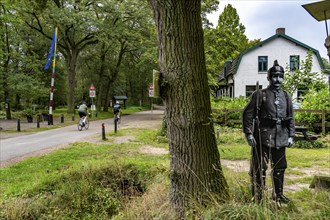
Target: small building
<point x="120" y="98"/>
<point x="239" y="76"/>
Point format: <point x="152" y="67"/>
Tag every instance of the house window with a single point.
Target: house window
<point x="262" y="63"/>
<point x="294" y="62"/>
<point x="250" y="89"/>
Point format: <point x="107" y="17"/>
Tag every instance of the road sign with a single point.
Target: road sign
<point x="92" y="91"/>
<point x="151" y="90"/>
<point x="92" y="87"/>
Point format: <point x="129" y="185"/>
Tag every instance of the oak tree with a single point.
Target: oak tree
<point x="195" y="169"/>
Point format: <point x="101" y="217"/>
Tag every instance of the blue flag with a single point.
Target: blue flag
<point x="51" y="50"/>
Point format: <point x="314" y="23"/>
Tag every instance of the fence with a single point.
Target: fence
<point x="234" y="116"/>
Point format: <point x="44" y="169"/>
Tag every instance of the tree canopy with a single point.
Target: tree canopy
<point x="225" y="42"/>
<point x="109" y="43"/>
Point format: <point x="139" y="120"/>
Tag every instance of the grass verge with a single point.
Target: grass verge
<point x="118" y="181"/>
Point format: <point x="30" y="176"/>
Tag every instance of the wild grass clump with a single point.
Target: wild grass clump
<point x="90" y="191"/>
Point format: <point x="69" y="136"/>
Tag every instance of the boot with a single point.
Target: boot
<point x="278" y="179"/>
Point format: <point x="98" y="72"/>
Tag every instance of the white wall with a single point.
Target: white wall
<point x="278" y="49"/>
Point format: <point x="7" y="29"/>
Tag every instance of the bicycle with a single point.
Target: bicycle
<point x="117" y="117"/>
<point x="117" y="120"/>
<point x="83" y="123"/>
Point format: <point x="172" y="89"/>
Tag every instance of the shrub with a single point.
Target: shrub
<point x="225" y="103"/>
<point x="314" y="100"/>
<point x="308" y="144"/>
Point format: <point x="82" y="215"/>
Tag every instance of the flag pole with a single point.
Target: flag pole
<point x="50" y="118"/>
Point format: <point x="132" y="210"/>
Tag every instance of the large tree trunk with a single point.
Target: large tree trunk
<point x="195" y="168"/>
<point x="101" y="78"/>
<point x="72" y="63"/>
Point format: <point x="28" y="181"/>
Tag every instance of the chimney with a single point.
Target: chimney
<point x="280" y="31"/>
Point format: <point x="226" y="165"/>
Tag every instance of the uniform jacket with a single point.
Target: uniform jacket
<point x="275" y="115"/>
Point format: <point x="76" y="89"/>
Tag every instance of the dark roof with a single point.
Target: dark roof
<point x="238" y="59"/>
<point x="120" y="97"/>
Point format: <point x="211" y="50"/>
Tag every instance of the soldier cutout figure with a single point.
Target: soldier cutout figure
<point x="268" y="124"/>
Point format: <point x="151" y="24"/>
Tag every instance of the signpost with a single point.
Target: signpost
<point x="151" y="94"/>
<point x="92" y="94"/>
<point x="154" y="86"/>
<point x="151" y="90"/>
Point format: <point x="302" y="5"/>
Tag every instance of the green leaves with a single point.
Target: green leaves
<point x="303" y="79"/>
<point x="225" y="42"/>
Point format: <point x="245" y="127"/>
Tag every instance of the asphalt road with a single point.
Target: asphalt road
<point x="15" y="147"/>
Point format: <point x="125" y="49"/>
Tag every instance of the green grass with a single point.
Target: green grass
<point x="107" y="180"/>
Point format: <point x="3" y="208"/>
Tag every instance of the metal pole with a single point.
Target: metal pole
<point x="18" y="125"/>
<point x="50" y="118"/>
<point x="116" y="120"/>
<point x="92" y="107"/>
<point x="103" y="132"/>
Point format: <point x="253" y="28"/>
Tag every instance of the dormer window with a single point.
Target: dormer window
<point x="262" y="63"/>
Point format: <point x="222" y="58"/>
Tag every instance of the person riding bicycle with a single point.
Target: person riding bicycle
<point x="116" y="109"/>
<point x="82" y="110"/>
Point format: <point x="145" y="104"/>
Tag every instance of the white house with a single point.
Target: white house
<point x="239" y="76"/>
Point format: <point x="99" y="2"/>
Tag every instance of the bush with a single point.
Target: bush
<point x="308" y="144"/>
<point x="314" y="100"/>
<point x="223" y="104"/>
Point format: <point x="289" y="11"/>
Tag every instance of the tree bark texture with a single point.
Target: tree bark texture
<point x="195" y="169"/>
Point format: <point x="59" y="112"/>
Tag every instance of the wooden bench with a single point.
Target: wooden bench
<point x="302" y="134"/>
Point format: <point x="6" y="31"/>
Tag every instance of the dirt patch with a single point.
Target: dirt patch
<point x="123" y="139"/>
<point x="237" y="165"/>
<point x="244" y="166"/>
<point x="296" y="187"/>
<point x="153" y="150"/>
<point x="313" y="171"/>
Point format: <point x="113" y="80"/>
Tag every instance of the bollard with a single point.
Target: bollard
<point x="18" y="125"/>
<point x="103" y="132"/>
<point x="38" y="122"/>
<point x="62" y="118"/>
<point x="218" y="133"/>
<point x="50" y="119"/>
<point x="72" y="117"/>
<point x="116" y="120"/>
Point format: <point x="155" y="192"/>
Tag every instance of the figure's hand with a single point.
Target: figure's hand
<point x="290" y="142"/>
<point x="252" y="142"/>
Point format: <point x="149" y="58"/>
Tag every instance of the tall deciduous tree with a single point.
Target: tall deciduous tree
<point x="195" y="169"/>
<point x="225" y="42"/>
<point x="78" y="27"/>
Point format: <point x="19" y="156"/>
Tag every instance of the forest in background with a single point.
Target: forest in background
<point x="111" y="44"/>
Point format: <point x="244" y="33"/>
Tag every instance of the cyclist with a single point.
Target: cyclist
<point x="82" y="111"/>
<point x="116" y="109"/>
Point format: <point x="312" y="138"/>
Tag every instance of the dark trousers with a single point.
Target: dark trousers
<point x="260" y="156"/>
<point x="81" y="114"/>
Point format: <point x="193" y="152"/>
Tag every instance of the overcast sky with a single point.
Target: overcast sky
<point x="261" y="18"/>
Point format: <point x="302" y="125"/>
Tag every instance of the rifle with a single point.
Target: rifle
<point x="255" y="125"/>
<point x="257" y="114"/>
